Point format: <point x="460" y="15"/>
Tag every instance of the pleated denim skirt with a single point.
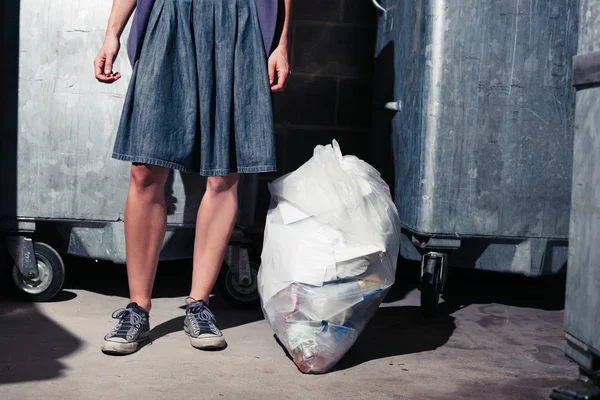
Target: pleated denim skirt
<point x="199" y="98"/>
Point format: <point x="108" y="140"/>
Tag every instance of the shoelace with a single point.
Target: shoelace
<point x="127" y="318"/>
<point x="200" y="314"/>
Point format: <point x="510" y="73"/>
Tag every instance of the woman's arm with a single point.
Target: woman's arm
<point x="119" y="16"/>
<point x="278" y="61"/>
<point x="282" y="34"/>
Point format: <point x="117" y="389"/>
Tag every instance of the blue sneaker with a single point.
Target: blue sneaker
<point x="131" y="330"/>
<point x="200" y="326"/>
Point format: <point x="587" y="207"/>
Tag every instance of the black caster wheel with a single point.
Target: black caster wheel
<point x="432" y="282"/>
<point x="50" y="279"/>
<point x="236" y="294"/>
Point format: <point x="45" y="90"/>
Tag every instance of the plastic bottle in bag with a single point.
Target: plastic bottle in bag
<point x="317" y="346"/>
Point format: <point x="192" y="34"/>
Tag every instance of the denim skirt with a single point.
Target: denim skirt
<point x="199" y="99"/>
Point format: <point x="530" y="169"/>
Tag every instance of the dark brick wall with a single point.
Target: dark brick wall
<point x="329" y="94"/>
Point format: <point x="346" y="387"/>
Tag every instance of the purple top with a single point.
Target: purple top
<point x="267" y="15"/>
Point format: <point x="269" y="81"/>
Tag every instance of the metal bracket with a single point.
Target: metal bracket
<point x="437" y="243"/>
<point x="393" y="105"/>
<point x="21" y="250"/>
<point x="426" y="257"/>
<point x="581" y="388"/>
<point x="586" y="357"/>
<point x="238" y="260"/>
<point x="16" y="226"/>
<point x="443" y="266"/>
<point x="586" y="70"/>
<point x="379" y="7"/>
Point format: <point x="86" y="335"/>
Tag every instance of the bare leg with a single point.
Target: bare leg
<point x="216" y="220"/>
<point x="145" y="228"/>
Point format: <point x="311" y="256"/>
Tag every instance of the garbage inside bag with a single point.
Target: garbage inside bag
<point x="329" y="256"/>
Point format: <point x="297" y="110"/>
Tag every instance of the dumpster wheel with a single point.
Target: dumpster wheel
<point x="50" y="279"/>
<point x="235" y="294"/>
<point x="431" y="284"/>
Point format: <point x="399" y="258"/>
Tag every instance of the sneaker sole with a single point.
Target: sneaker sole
<point x="116" y="348"/>
<point x="206" y="343"/>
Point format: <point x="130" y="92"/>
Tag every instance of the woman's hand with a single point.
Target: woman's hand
<point x="278" y="64"/>
<point x="103" y="64"/>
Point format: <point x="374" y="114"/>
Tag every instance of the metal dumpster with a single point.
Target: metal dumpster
<point x="582" y="309"/>
<point x="475" y="100"/>
<point x="61" y="191"/>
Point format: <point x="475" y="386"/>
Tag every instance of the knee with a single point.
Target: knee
<point x="222" y="184"/>
<point x="148" y="177"/>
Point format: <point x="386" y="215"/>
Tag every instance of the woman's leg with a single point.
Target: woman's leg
<point x="216" y="220"/>
<point x="145" y="228"/>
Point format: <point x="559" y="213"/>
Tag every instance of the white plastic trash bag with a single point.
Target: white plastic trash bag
<point x="329" y="256"/>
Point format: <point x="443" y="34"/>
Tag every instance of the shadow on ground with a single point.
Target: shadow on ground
<point x="173" y="278"/>
<point x="468" y="286"/>
<point x="31" y="345"/>
<point x="464" y="287"/>
<point x="516" y="389"/>
<point x="397" y="331"/>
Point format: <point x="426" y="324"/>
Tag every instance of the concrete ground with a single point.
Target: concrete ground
<point x="498" y="337"/>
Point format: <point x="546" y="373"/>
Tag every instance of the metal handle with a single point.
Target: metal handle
<point x="393" y="105"/>
<point x="378" y="6"/>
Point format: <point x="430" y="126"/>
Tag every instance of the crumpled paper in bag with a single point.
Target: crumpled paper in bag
<point x="329" y="255"/>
